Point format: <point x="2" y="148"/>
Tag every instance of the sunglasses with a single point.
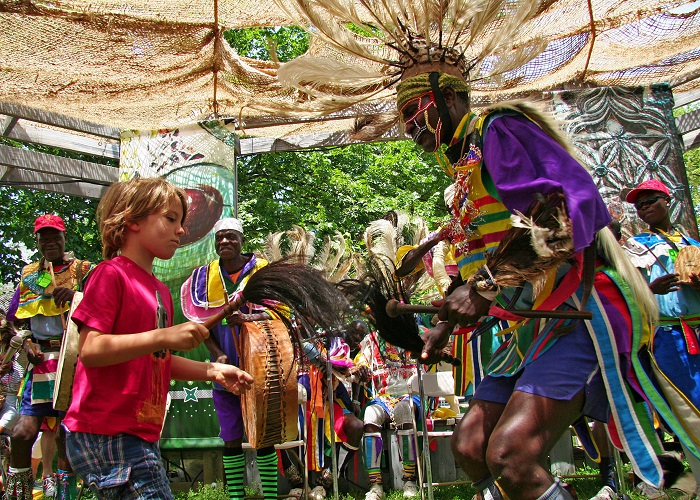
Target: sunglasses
<point x="647" y="202"/>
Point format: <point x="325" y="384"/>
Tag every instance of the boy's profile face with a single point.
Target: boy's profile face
<point x="158" y="235"/>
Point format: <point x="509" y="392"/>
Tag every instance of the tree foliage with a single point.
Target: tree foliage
<point x="18" y="209"/>
<point x="691" y="159"/>
<point x="286" y="42"/>
<point x="340" y="189"/>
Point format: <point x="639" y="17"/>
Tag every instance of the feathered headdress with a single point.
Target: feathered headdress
<point x="361" y="48"/>
<point x="331" y="255"/>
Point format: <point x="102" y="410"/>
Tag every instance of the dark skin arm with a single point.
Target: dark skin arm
<point x="215" y="350"/>
<point x="412" y="258"/>
<point x="464" y="306"/>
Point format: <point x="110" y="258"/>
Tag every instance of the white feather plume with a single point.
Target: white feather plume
<point x="379" y="39"/>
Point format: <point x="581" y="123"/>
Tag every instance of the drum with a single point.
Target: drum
<point x="67" y="359"/>
<point x="687" y="263"/>
<point x="270" y="407"/>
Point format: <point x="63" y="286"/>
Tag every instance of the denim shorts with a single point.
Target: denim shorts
<point x="118" y="467"/>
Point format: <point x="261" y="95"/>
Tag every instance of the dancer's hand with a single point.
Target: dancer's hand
<point x="464" y="306"/>
<point x="62" y="295"/>
<point x="665" y="284"/>
<point x="436" y="339"/>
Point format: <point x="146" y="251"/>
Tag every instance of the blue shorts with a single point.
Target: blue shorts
<point x="39" y="409"/>
<point x="681" y="368"/>
<point x="118" y="467"/>
<point x="230" y="415"/>
<point x="560" y="373"/>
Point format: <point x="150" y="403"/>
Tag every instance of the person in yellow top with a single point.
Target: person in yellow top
<point x="434" y="254"/>
<point x="43" y="296"/>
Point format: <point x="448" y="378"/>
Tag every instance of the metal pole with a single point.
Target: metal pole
<point x="621" y="480"/>
<point x="235" y="186"/>
<point x="428" y="474"/>
<point x="331" y="400"/>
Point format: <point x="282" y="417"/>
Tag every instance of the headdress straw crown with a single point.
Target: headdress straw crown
<point x="412" y="87"/>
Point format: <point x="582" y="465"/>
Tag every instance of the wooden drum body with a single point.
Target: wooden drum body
<point x="67" y="359"/>
<point x="270" y="407"/>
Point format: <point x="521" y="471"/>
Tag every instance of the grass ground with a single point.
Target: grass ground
<point x="586" y="486"/>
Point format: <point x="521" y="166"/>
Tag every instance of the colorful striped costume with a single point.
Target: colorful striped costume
<point x="505" y="162"/>
<point x="674" y="346"/>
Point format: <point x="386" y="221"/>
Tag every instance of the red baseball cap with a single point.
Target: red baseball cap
<point x="49" y="220"/>
<point x="649" y="185"/>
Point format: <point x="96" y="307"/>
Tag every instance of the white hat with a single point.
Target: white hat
<point x="229" y="223"/>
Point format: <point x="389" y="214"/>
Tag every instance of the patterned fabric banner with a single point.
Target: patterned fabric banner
<point x="199" y="158"/>
<point x="626" y="135"/>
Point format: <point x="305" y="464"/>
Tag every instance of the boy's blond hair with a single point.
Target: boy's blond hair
<point x="131" y="201"/>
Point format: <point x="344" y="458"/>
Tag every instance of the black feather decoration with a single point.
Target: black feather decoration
<point x="374" y="290"/>
<point x="314" y="301"/>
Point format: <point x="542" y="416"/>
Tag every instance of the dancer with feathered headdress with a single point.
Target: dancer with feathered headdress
<point x="524" y="213"/>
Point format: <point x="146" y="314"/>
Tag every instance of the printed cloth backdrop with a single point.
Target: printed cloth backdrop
<point x="624" y="136"/>
<point x="199" y="158"/>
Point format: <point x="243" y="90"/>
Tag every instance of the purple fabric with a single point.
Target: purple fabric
<point x="230" y="415"/>
<point x="524" y="161"/>
<point x="560" y="373"/>
<point x="199" y="276"/>
<point x="12" y="308"/>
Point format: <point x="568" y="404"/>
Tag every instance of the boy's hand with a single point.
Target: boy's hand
<point x="186" y="336"/>
<point x="231" y="377"/>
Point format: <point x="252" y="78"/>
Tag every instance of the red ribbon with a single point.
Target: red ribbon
<point x="691" y="338"/>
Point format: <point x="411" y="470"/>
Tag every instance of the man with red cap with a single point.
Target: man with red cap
<point x="43" y="297"/>
<point x="674" y="346"/>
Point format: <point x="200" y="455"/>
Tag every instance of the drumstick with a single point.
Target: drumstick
<point x="394" y="308"/>
<point x="657" y="259"/>
<point x="227" y="310"/>
<point x="53" y="281"/>
<point x="36" y="350"/>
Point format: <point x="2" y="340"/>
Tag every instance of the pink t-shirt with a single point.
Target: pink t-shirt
<point x="129" y="397"/>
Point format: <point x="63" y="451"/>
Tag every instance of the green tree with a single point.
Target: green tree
<point x="339" y="189"/>
<point x="18" y="209"/>
<point x="692" y="168"/>
<point x="286" y="42"/>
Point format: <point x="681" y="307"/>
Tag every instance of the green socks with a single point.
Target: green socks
<point x="234" y="469"/>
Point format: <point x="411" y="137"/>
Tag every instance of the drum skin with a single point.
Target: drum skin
<point x="687" y="263"/>
<point x="67" y="359"/>
<point x="270" y="407"/>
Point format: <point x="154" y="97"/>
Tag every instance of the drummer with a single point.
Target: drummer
<point x="203" y="294"/>
<point x="675" y="344"/>
<point x="43" y="296"/>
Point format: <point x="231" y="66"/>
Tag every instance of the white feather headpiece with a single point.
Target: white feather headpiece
<point x="360" y="48"/>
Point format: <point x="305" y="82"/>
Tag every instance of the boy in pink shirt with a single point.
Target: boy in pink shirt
<point x="126" y="334"/>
